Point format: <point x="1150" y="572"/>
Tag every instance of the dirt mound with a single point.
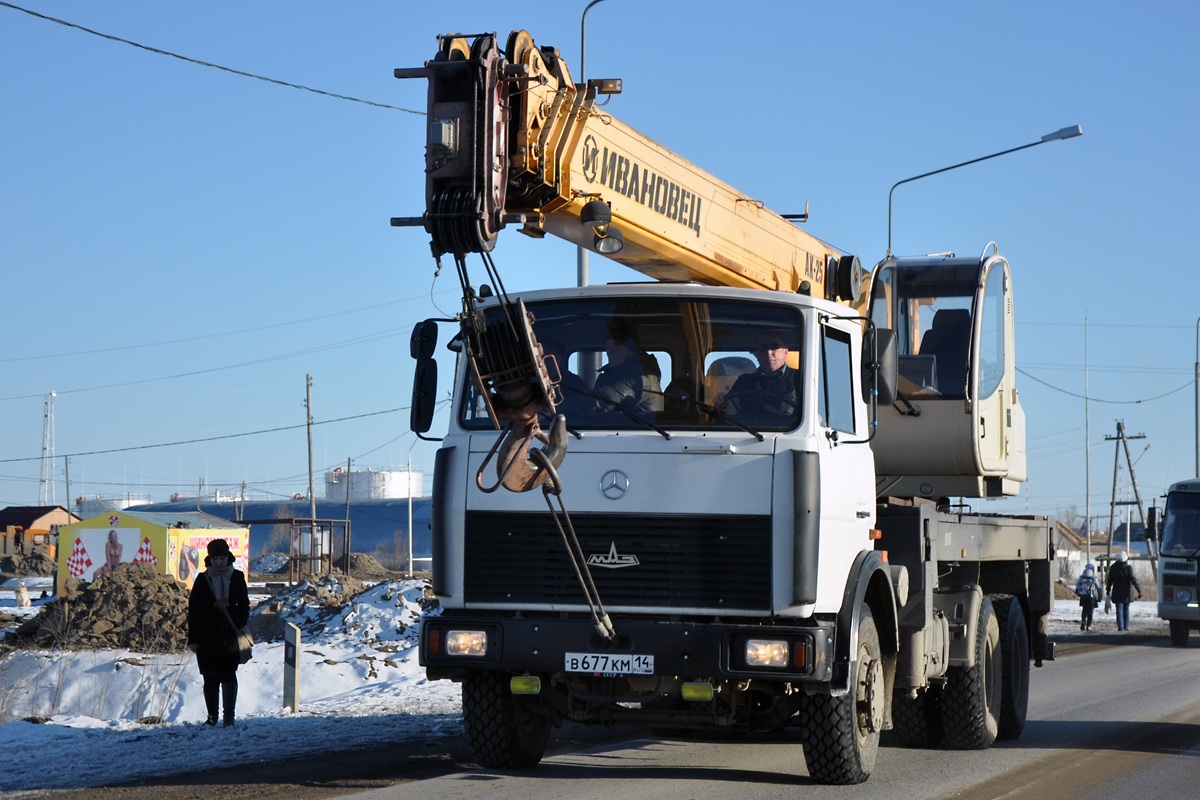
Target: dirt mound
<point x="310" y="604"/>
<point x="38" y="563"/>
<point x="365" y="566"/>
<point x="130" y="607"/>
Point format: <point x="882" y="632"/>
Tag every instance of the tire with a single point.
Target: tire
<point x="1014" y="656"/>
<point x="505" y="731"/>
<point x="971" y="698"/>
<point x="917" y="721"/>
<point x="841" y="734"/>
<point x="1179" y="633"/>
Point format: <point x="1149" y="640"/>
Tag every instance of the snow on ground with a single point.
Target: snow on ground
<point x="360" y="687"/>
<point x="269" y="562"/>
<point x="34" y="587"/>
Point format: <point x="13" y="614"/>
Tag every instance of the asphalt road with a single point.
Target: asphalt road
<point x="1105" y="722"/>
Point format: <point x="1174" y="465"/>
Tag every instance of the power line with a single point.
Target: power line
<point x="321" y="348"/>
<point x="207" y="439"/>
<point x="206" y="63"/>
<point x="305" y="321"/>
<point x="1098" y="400"/>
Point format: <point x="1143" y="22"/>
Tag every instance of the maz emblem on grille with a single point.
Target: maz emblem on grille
<point x="613" y="560"/>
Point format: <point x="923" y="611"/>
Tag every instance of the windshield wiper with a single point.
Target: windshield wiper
<point x="624" y="409"/>
<point x="720" y="414"/>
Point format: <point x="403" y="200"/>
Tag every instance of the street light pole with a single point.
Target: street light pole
<point x="1062" y="133"/>
<point x="582" y="253"/>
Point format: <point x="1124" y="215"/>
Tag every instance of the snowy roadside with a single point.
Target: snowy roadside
<point x="361" y="687"/>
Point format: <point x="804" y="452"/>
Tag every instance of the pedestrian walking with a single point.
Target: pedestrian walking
<point x="1087" y="589"/>
<point x="1120" y="579"/>
<point x="218" y="606"/>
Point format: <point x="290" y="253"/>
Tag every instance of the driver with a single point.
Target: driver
<point x="771" y="389"/>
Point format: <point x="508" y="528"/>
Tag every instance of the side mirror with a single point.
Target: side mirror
<point x="424" y="339"/>
<point x="1152" y="523"/>
<point x="880" y="343"/>
<point x="424" y="396"/>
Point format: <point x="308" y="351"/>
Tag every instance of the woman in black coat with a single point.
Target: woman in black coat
<point x="217" y="592"/>
<point x="1120" y="579"/>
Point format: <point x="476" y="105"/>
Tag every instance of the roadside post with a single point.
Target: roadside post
<point x="291" y="668"/>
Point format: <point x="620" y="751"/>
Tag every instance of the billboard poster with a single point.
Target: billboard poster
<point x="95" y="551"/>
<point x="192" y="546"/>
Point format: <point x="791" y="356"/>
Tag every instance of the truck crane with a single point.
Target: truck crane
<point x="748" y="546"/>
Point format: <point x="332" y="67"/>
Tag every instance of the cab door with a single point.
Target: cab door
<point x="992" y="368"/>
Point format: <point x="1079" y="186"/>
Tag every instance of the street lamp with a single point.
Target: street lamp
<point x="1062" y="133"/>
<point x="582" y="258"/>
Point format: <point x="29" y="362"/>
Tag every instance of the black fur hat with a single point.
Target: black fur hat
<point x="219" y="547"/>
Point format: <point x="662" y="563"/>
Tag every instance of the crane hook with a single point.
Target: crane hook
<point x="516" y="471"/>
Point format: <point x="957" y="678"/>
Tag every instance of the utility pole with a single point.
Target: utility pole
<point x="1087" y="445"/>
<point x="582" y="253"/>
<point x="1122" y="440"/>
<point x="46" y="495"/>
<point x="312" y="498"/>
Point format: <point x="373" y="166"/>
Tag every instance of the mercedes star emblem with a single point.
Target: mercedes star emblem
<point x="614" y="484"/>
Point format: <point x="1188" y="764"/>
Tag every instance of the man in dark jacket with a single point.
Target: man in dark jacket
<point x="769" y="393"/>
<point x="630" y="378"/>
<point x="218" y="605"/>
<point x="1120" y="578"/>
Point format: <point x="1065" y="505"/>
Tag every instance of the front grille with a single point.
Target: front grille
<point x="1175" y="565"/>
<point x="682" y="560"/>
<point x="1178" y="580"/>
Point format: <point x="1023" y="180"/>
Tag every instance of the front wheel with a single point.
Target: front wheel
<point x="841" y="734"/>
<point x="1179" y="633"/>
<point x="505" y="731"/>
<point x="971" y="699"/>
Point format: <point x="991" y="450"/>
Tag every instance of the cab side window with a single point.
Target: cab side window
<point x="835" y="389"/>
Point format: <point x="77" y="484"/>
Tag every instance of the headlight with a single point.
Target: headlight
<point x="766" y="653"/>
<point x="1183" y="595"/>
<point x="466" y="643"/>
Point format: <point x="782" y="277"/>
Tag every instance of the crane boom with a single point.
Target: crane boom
<point x="513" y="140"/>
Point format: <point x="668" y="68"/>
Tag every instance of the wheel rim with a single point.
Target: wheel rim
<point x="869" y="696"/>
<point x="993" y="677"/>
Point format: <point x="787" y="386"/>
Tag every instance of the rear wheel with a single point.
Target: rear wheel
<point x="841" y="734"/>
<point x="1014" y="656"/>
<point x="506" y="731"/>
<point x="1179" y="633"/>
<point x="971" y="699"/>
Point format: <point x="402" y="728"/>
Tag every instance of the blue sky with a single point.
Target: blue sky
<point x="159" y="218"/>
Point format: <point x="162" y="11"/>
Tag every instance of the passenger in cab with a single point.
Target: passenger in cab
<point x="631" y="377"/>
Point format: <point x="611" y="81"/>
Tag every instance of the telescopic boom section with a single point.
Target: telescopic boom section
<point x="514" y="141"/>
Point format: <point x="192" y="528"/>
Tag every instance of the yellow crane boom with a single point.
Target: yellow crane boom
<point x="513" y="140"/>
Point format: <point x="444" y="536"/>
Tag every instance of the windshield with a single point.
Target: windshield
<point x="1181" y="524"/>
<point x="675" y="363"/>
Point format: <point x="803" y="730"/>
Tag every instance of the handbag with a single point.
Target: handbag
<point x="242" y="642"/>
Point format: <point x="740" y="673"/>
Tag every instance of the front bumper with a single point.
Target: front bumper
<point x="686" y="649"/>
<point x="1180" y="611"/>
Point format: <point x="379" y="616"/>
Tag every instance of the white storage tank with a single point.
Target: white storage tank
<point x="374" y="484"/>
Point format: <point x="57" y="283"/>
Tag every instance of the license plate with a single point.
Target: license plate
<point x="609" y="664"/>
